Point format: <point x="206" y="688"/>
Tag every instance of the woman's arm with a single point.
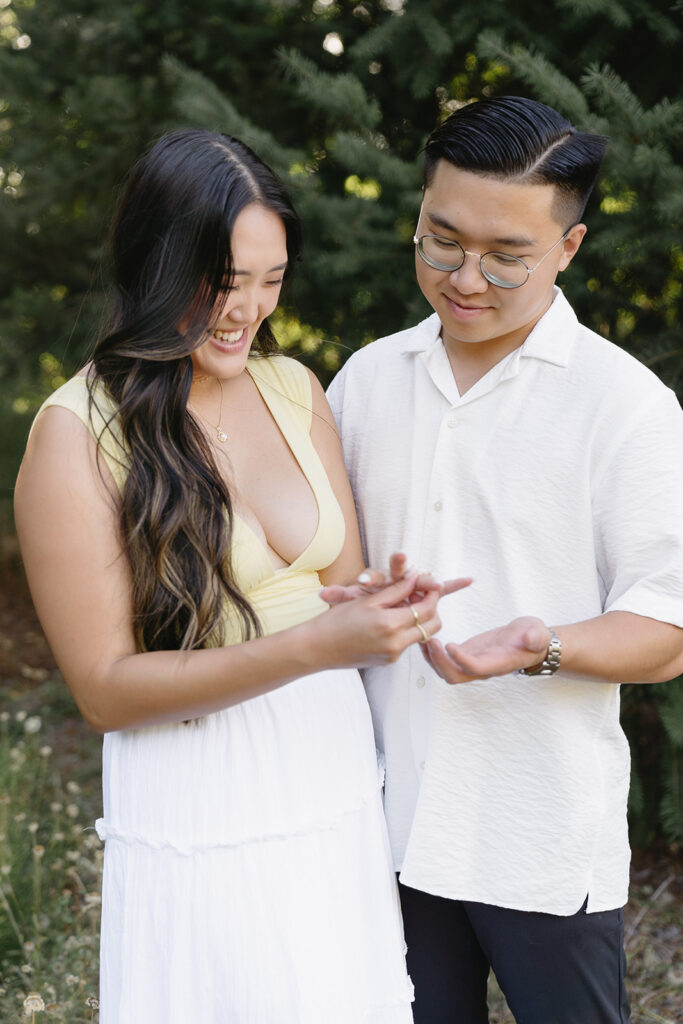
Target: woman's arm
<point x="67" y="522"/>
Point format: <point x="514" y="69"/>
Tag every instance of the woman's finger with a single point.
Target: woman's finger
<point x="395" y="593"/>
<point x="337" y="594"/>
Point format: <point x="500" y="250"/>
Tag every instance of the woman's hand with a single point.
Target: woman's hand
<point x="375" y="628"/>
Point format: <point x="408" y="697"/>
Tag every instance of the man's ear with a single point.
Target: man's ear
<point x="571" y="245"/>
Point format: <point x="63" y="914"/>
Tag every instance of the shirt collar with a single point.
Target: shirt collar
<point x="552" y="339"/>
<point x="422" y="336"/>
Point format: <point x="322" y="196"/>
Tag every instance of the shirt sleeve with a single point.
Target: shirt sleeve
<point x="638" y="513"/>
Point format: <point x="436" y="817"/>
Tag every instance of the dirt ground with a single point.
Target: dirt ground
<point x="654" y="916"/>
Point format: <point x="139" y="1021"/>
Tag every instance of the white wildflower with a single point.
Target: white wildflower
<point x="32" y="725"/>
<point x="33" y="1004"/>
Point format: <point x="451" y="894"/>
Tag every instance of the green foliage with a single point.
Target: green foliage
<point x="671" y="807"/>
<point x="653" y="719"/>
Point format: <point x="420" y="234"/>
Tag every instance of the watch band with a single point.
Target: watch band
<point x="550" y="663"/>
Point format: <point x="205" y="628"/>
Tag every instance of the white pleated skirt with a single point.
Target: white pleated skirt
<point x="247" y="874"/>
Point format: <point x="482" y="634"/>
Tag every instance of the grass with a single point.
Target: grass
<point x="50" y="865"/>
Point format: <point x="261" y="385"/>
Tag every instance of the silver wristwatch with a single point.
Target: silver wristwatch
<point x="550" y="663"/>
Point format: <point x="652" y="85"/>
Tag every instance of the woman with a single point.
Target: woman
<point x="180" y="503"/>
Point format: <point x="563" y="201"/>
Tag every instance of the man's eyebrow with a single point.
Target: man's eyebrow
<point x="247" y="273"/>
<point x="512" y="242"/>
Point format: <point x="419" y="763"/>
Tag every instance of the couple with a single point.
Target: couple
<point x="182" y="501"/>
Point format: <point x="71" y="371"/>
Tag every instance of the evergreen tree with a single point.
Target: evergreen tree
<point x="356" y="169"/>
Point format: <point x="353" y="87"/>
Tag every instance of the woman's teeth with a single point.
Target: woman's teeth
<point x="227" y="335"/>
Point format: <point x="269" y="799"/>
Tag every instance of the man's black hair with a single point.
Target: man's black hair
<point x="519" y="139"/>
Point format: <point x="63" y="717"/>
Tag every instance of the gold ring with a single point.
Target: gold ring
<point x="415" y="615"/>
<point x="423" y="633"/>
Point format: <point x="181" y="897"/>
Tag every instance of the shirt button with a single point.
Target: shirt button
<point x="420" y="681"/>
<point x="438" y="505"/>
<point x="422" y="766"/>
<point x="452" y="422"/>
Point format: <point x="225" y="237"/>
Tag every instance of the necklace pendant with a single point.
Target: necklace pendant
<point x="221" y="435"/>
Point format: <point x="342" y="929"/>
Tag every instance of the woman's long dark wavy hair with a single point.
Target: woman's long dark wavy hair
<point x="171" y="260"/>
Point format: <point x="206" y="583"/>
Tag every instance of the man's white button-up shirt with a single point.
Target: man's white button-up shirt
<point x="556" y="482"/>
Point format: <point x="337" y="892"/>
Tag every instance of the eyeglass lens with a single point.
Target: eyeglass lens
<point x="497" y="267"/>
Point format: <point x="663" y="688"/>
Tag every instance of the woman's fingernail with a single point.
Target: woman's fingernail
<point x="365" y="577"/>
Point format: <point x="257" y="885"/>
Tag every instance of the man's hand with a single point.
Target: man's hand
<point x="521" y="644"/>
<point x="371" y="581"/>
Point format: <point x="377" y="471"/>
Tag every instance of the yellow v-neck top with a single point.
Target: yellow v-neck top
<point x="281" y="597"/>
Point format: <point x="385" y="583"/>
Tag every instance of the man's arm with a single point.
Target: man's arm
<point x="615" y="647"/>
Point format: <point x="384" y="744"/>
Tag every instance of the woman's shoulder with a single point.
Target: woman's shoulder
<point x="73" y="395"/>
<point x="288" y="380"/>
<point x="289" y="373"/>
<point x="87" y="398"/>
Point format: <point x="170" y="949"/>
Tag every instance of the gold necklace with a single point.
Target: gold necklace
<point x="220" y="433"/>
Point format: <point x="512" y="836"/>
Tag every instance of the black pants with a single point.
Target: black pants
<point x="552" y="970"/>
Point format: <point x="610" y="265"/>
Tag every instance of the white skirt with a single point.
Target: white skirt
<point x="247" y="873"/>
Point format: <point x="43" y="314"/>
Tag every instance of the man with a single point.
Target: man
<point x="502" y="439"/>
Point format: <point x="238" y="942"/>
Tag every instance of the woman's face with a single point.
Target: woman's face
<point x="258" y="245"/>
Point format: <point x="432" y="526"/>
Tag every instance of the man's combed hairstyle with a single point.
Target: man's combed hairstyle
<point x="521" y="140"/>
<point x="171" y="267"/>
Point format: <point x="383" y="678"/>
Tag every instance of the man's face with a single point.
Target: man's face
<point x="484" y="215"/>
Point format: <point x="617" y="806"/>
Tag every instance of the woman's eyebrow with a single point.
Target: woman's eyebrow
<point x="246" y="273"/>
